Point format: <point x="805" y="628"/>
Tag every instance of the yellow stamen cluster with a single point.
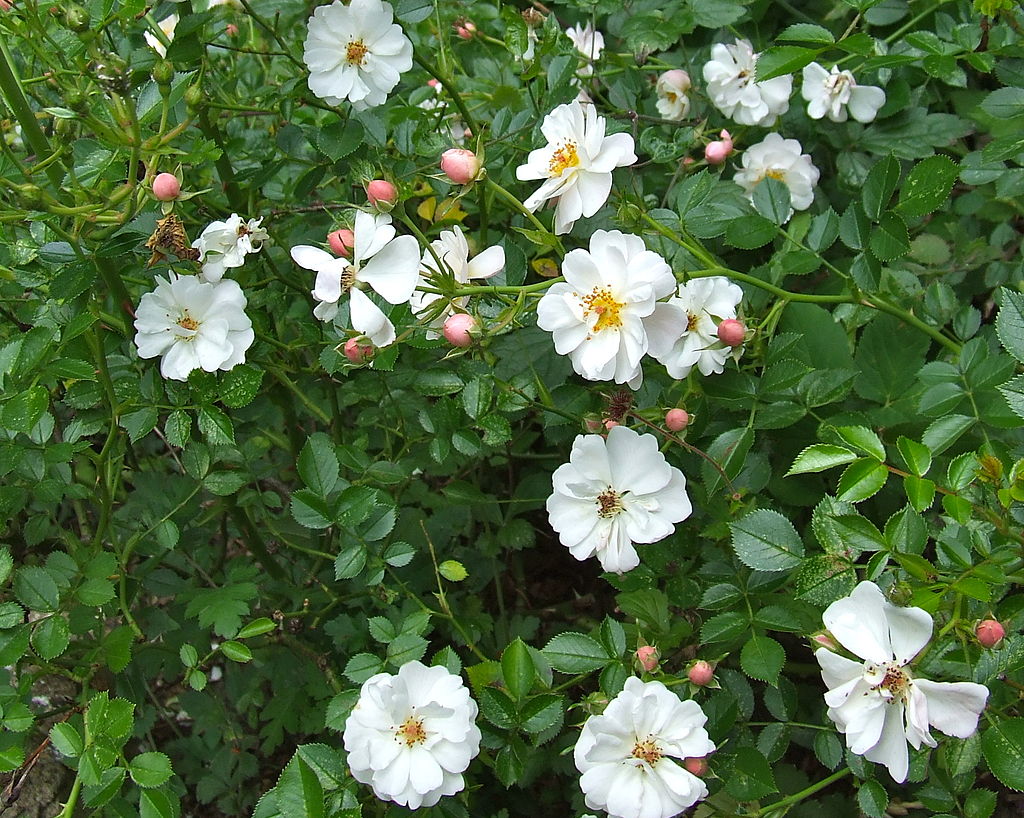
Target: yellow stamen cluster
<point x="609" y="503"/>
<point x="188" y="322"/>
<point x="647" y="751"/>
<point x="602" y="303"/>
<point x="356" y="53"/>
<point x="411" y="732"/>
<point x="562" y="159"/>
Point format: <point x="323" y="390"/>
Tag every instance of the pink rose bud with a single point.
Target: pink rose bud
<point x="825" y="640"/>
<point x="676" y="420"/>
<point x="732" y="332"/>
<point x="464" y="33"/>
<point x="701" y="673"/>
<point x="166" y="187"/>
<point x="717" y="152"/>
<point x="610" y="424"/>
<point x="458" y="329"/>
<point x="648" y="657"/>
<point x="592" y="425"/>
<point x="231" y="29"/>
<point x="358" y="353"/>
<point x="5" y="6"/>
<point x="460" y="165"/>
<point x="687" y="160"/>
<point x="433" y="83"/>
<point x="696" y="766"/>
<point x="382" y="194"/>
<point x="342" y="241"/>
<point x="989" y="632"/>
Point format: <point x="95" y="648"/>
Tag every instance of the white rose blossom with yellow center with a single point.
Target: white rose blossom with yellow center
<point x="615" y="492"/>
<point x="412" y="734"/>
<point x="576" y="164"/>
<point x="596" y="315"/>
<point x="781" y="159"/>
<point x="355" y="52"/>
<point x="223" y="245"/>
<point x="380" y="261"/>
<point x="835" y="94"/>
<point x="731" y="87"/>
<point x="878" y="702"/>
<point x="631" y="756"/>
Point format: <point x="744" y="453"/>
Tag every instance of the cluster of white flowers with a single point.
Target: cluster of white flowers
<point x="224" y="244"/>
<point x="615" y="492"/>
<point x="877" y="702"/>
<point x="606" y="315"/>
<point x="733" y="91"/>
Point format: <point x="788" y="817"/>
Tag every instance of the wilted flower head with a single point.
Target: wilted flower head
<point x="615" y="492"/>
<point x="224" y="245"/>
<point x="355" y="52"/>
<point x="632" y="756"/>
<point x="878" y="703"/>
<point x="834" y="93"/>
<point x="576" y="164"/>
<point x="784" y="160"/>
<point x="672" y="88"/>
<point x="596" y="315"/>
<point x="733" y="91"/>
<point x="193" y="324"/>
<point x="386" y="264"/>
<point x="412" y="734"/>
<point x="683" y="332"/>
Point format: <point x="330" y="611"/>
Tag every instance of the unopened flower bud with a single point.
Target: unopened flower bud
<point x="717" y="152"/>
<point x="460" y="165"/>
<point x="433" y="82"/>
<point x="464" y="32"/>
<point x="592" y="424"/>
<point x="701" y="673"/>
<point x="5" y="5"/>
<point x="648" y="657"/>
<point x="696" y="766"/>
<point x="166" y="187"/>
<point x="382" y="194"/>
<point x="341" y="241"/>
<point x="610" y="424"/>
<point x="824" y="639"/>
<point x="231" y="29"/>
<point x="989" y="632"/>
<point x="459" y="329"/>
<point x="732" y="332"/>
<point x="358" y="352"/>
<point x="163" y="73"/>
<point x="676" y="420"/>
<point x="76" y="18"/>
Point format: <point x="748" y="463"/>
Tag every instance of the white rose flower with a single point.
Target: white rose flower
<point x="193" y="324"/>
<point x="835" y="93"/>
<point x="355" y="52"/>
<point x="453" y="251"/>
<point x="167" y="26"/>
<point x="596" y="315"/>
<point x="683" y="332"/>
<point x="576" y="164"/>
<point x="631" y="755"/>
<point x="386" y="264"/>
<point x="412" y="735"/>
<point x="613" y="493"/>
<point x="589" y="43"/>
<point x="731" y="86"/>
<point x="878" y="703"/>
<point x="224" y="245"/>
<point x="784" y="160"/>
<point x="672" y="88"/>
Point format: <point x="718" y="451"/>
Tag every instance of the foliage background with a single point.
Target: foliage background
<point x="216" y="566"/>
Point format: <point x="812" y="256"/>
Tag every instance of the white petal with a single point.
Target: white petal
<point x="954" y="707"/>
<point x="370" y="320"/>
<point x="891" y="749"/>
<point x="394" y="270"/>
<point x="859" y="624"/>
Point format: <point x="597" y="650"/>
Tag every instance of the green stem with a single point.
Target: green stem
<point x="321" y="415"/>
<point x="453" y="92"/>
<point x="11" y="89"/>
<point x="72" y="802"/>
<point x="518" y="205"/>
<point x="800" y="796"/>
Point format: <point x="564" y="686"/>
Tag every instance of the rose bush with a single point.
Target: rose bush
<point x="345" y="345"/>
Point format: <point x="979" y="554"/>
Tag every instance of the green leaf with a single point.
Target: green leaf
<point x="361" y="667"/>
<point x="517" y="669"/>
<point x="543" y="712"/>
<point x="6" y="564"/>
<point x="854" y="227"/>
<point x="917" y="456"/>
<point x="828" y="748"/>
<point x="807" y="33"/>
<point x="310" y="510"/>
<point x="497" y="707"/>
<point x="766" y="541"/>
<point x="66" y="739"/>
<point x="140" y="423"/>
<point x="863" y="438"/>
<point x="723" y="628"/>
<point x="150" y="770"/>
<point x="890" y="240"/>
<point x="783" y="59"/>
<point x="257" y="627"/>
<point x="36" y="589"/>
<point x="927" y="186"/>
<point x="223" y="608"/>
<point x="299" y="792"/>
<point x="435" y="383"/>
<point x="772" y="200"/>
<point x="339" y="139"/>
<point x="158" y="804"/>
<point x="23" y="411"/>
<point x="1003" y="746"/>
<point x="452" y="570"/>
<point x="51" y="637"/>
<point x="1013" y="391"/>
<point x="350" y="562"/>
<point x="236" y="651"/>
<point x="11" y="615"/>
<point x="240" y="385"/>
<point x="879" y="186"/>
<point x="326" y="762"/>
<point x="979" y="804"/>
<point x="406" y="647"/>
<point x="823" y="232"/>
<point x="1010" y="322"/>
<point x="762" y="658"/>
<point x="1004" y="103"/>
<point x="751" y="776"/>
<point x="575" y="653"/>
<point x="861" y="480"/>
<point x="750" y="231"/>
<point x="944" y="432"/>
<point x="920" y="491"/>
<point x="824" y="578"/>
<point x="318" y="464"/>
<point x="872" y="799"/>
<point x="215" y="426"/>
